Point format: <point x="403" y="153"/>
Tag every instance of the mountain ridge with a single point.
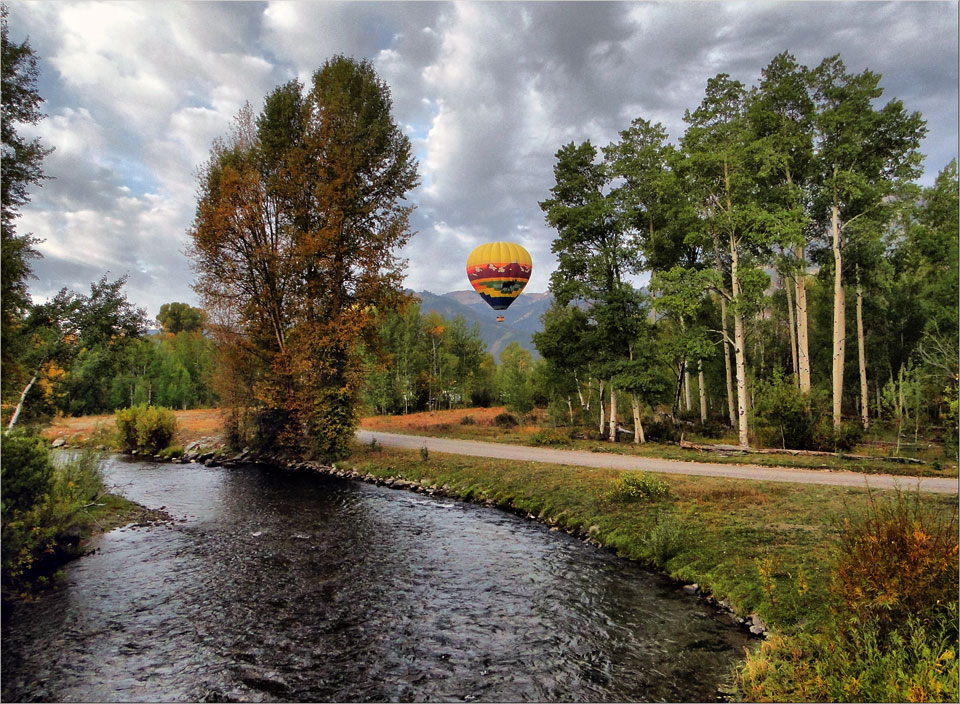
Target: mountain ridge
<point x="522" y="318"/>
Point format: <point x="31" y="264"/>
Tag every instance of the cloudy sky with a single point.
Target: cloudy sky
<point x="487" y="92"/>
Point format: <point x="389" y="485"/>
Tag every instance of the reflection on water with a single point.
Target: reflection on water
<point x="293" y="587"/>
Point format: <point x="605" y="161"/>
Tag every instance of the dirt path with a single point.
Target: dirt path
<point x="578" y="458"/>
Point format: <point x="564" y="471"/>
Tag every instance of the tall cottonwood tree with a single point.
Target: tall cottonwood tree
<point x="20" y="169"/>
<point x="300" y="213"/>
<point x="862" y="154"/>
<point x="722" y="160"/>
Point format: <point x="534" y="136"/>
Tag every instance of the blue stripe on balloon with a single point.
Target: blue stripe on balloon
<point x="498" y="302"/>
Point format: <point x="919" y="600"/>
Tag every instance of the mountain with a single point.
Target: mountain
<point x="522" y="317"/>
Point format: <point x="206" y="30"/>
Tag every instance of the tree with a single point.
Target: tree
<point x="300" y="214"/>
<point x="85" y="335"/>
<point x="781" y="116"/>
<point x="20" y="168"/>
<point x="181" y="317"/>
<point x="722" y="160"/>
<point x="595" y="255"/>
<point x="862" y="153"/>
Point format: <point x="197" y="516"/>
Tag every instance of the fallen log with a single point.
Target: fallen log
<point x="687" y="445"/>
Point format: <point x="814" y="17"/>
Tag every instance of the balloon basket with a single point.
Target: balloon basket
<point x="499" y="318"/>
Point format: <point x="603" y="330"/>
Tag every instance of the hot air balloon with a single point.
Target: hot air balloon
<point x="498" y="271"/>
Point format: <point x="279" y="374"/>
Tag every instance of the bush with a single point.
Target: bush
<point x="666" y="540"/>
<point x="482" y="397"/>
<point x="913" y="663"/>
<point x="894" y="636"/>
<point x="50" y="529"/>
<point x="145" y="429"/>
<point x="640" y="486"/>
<point x="26" y="473"/>
<point x="785" y="417"/>
<point x="468" y="420"/>
<point x="895" y="561"/>
<point x="661" y="431"/>
<point x="549" y="437"/>
<point x="506" y="420"/>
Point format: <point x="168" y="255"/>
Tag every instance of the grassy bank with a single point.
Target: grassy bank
<point x="768" y="549"/>
<point x="479" y="424"/>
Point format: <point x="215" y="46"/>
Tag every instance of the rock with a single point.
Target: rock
<point x="59" y="442"/>
<point x="757" y="626"/>
<point x="691" y="589"/>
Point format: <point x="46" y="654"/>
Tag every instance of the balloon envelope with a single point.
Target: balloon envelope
<point x="498" y="271"/>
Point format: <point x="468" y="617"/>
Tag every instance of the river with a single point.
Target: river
<point x="278" y="586"/>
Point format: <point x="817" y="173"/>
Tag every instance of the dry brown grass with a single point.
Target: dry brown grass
<point x="431" y="420"/>
<point x="191" y="425"/>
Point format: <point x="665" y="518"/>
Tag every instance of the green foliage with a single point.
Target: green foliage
<point x="638" y="486"/>
<point x="506" y="420"/>
<point x="26" y="472"/>
<point x="513" y="378"/>
<point x="21" y="168"/>
<point x="35" y="537"/>
<point x="785" y="416"/>
<point x="914" y="663"/>
<point x="146" y="429"/>
<point x="180" y="317"/>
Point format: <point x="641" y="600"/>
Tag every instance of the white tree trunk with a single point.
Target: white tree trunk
<point x="726" y="361"/>
<point x="687" y="392"/>
<point x="743" y="431"/>
<point x="864" y="391"/>
<point x="638" y="437"/>
<point x="803" y="346"/>
<point x="603" y="424"/>
<point x="703" y="391"/>
<point x="793" y="330"/>
<point x="23" y="397"/>
<point x="839" y="319"/>
<point x="613" y="413"/>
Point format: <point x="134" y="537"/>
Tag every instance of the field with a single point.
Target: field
<point x="97" y="430"/>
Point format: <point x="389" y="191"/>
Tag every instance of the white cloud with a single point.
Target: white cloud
<point x="487" y="92"/>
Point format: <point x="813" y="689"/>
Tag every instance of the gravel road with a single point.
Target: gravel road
<point x="578" y="458"/>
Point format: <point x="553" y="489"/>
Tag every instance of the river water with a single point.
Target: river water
<point x="279" y="586"/>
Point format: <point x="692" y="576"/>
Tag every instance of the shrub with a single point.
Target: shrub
<point x="26" y="472"/>
<point x="50" y="528"/>
<point x="661" y="431"/>
<point x="896" y="560"/>
<point x="894" y="636"/>
<point x="468" y="420"/>
<point x="145" y="428"/>
<point x="549" y="437"/>
<point x="915" y="662"/>
<point x="640" y="486"/>
<point x="786" y="417"/>
<point x="506" y="420"/>
<point x="171" y="452"/>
